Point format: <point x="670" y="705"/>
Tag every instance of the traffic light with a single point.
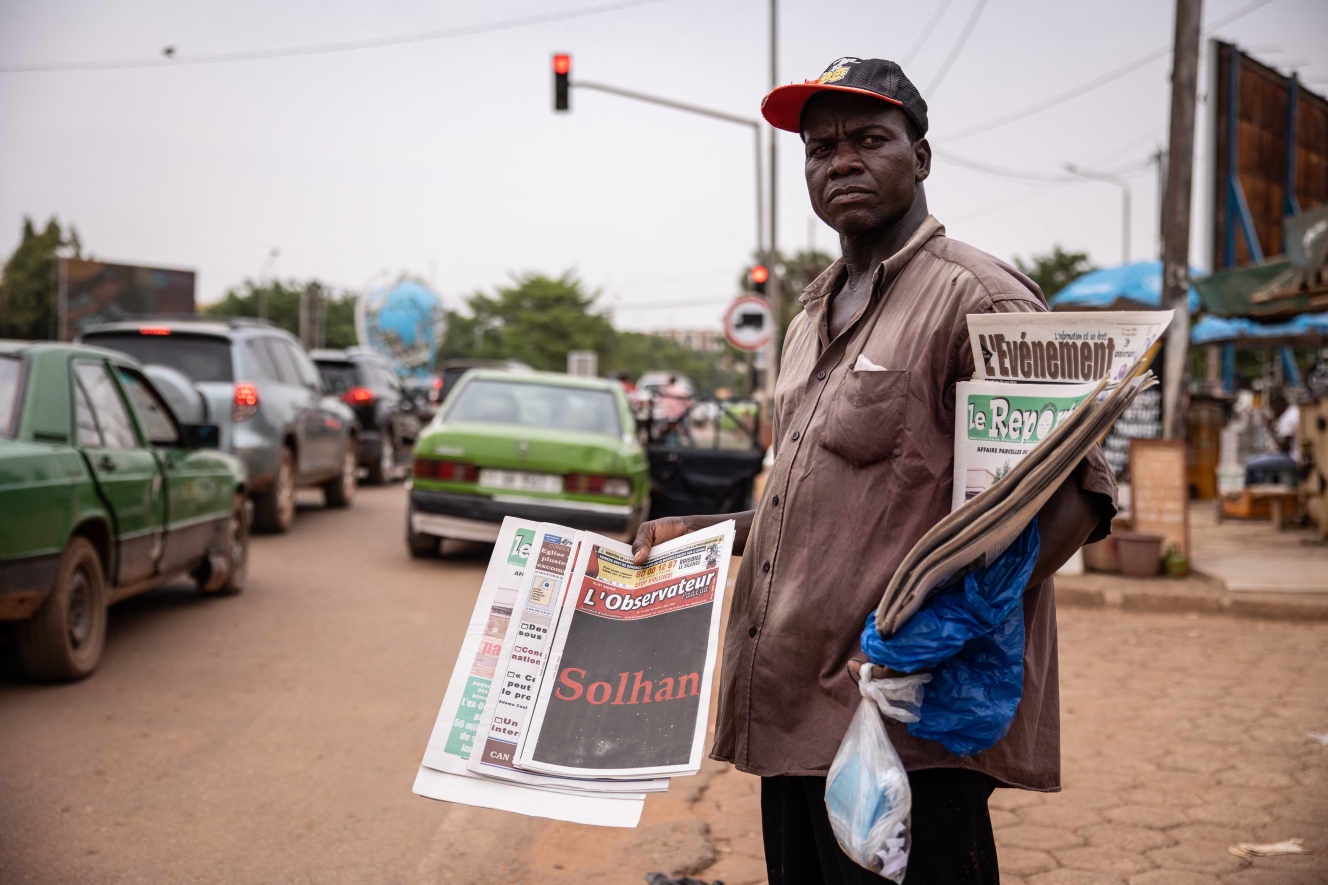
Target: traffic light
<point x="758" y="274"/>
<point x="562" y="67"/>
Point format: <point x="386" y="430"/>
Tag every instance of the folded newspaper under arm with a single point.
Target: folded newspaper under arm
<point x="982" y="527"/>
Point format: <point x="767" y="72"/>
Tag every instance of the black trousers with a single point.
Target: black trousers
<point x="952" y="842"/>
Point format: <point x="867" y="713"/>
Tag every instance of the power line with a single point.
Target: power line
<point x="1096" y="82"/>
<point x="926" y="32"/>
<point x="171" y="59"/>
<point x="959" y="44"/>
<point x="1001" y="171"/>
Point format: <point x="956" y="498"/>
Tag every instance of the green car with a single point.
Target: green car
<point x="103" y="494"/>
<point x="537" y="445"/>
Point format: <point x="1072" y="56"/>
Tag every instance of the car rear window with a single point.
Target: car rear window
<point x="537" y="405"/>
<point x="199" y="357"/>
<point x="9" y="394"/>
<point x="338" y="377"/>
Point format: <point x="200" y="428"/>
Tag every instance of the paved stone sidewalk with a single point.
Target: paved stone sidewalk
<point x="1182" y="735"/>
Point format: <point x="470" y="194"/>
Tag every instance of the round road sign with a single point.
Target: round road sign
<point x="747" y="323"/>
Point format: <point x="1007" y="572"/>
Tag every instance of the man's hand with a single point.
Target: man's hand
<point x="656" y="531"/>
<point x="877" y="672"/>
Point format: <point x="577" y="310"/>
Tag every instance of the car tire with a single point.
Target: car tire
<point x="234" y="561"/>
<point x="421" y="546"/>
<point x="384" y="466"/>
<point x="339" y="491"/>
<point x="63" y="641"/>
<point x="274" y="510"/>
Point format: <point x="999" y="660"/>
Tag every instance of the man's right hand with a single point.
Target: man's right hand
<point x="656" y="531"/>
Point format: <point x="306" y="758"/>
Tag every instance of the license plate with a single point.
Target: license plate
<point x="521" y="481"/>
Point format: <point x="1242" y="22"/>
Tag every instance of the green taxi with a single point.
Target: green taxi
<point x="536" y="445"/>
<point x="103" y="494"/>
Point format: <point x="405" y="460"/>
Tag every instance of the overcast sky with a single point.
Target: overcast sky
<point x="441" y="156"/>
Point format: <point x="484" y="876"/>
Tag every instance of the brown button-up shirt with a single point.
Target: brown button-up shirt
<point x="863" y="467"/>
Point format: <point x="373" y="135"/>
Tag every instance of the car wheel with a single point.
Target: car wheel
<point x="274" y="510"/>
<point x="421" y="546"/>
<point x="234" y="560"/>
<point x="340" y="489"/>
<point x="382" y="470"/>
<point x="64" y="639"/>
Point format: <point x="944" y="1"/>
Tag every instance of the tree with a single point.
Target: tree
<point x="537" y="320"/>
<point x="29" y="288"/>
<point x="1055" y="270"/>
<point x="281" y="300"/>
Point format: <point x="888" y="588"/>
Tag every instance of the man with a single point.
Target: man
<point x="672" y="407"/>
<point x="864" y="423"/>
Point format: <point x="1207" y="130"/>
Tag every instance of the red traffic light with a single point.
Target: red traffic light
<point x="562" y="66"/>
<point x="759" y="274"/>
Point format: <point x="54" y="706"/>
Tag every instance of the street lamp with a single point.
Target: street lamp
<point x="266" y="283"/>
<point x="1125" y="201"/>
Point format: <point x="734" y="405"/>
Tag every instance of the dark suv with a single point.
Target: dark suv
<point x="385" y="415"/>
<point x="258" y="385"/>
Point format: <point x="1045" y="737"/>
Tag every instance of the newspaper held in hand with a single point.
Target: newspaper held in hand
<point x="521" y="663"/>
<point x="454" y="767"/>
<point x="627" y="686"/>
<point x="443" y="773"/>
<point x="1026" y="347"/>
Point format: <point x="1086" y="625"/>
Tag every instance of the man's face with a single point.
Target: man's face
<point x="862" y="170"/>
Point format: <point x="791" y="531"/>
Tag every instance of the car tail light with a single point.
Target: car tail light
<point x="245" y="405"/>
<point x="594" y="484"/>
<point x="448" y="471"/>
<point x="358" y="396"/>
<point x="153" y="330"/>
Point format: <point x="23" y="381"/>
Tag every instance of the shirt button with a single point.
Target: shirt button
<point x="774" y="502"/>
<point x="765" y="566"/>
<point x="796" y="435"/>
<point x="751" y="631"/>
<point x="820" y="376"/>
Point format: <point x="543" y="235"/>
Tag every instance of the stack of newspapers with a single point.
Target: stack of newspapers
<point x="1048" y="387"/>
<point x="583" y="682"/>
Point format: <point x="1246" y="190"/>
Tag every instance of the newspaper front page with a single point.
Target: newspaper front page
<point x="1062" y="347"/>
<point x="520" y="666"/>
<point x="998" y="423"/>
<point x="626" y="691"/>
<point x="518" y="645"/>
<point x="443" y="774"/>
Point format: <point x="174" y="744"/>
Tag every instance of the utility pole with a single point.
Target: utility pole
<point x="1176" y="211"/>
<point x="1159" y="159"/>
<point x="778" y="304"/>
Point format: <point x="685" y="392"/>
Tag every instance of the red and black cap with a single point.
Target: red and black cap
<point x="875" y="77"/>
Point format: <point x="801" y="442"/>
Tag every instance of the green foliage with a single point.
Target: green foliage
<point x="1056" y="269"/>
<point x="538" y="319"/>
<point x="29" y="288"/>
<point x="283" y="307"/>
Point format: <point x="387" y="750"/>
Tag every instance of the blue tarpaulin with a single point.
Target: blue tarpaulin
<point x="1136" y="285"/>
<point x="1222" y="330"/>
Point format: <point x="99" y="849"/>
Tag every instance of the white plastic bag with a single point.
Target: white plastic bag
<point x="867" y="797"/>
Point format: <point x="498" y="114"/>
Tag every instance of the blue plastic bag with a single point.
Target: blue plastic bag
<point x="971" y="637"/>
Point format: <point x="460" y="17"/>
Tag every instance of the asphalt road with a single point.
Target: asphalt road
<point x="268" y="737"/>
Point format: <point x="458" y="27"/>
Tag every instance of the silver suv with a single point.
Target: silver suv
<point x="259" y="386"/>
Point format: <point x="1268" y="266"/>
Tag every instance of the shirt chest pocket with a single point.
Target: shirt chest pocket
<point x="865" y="422"/>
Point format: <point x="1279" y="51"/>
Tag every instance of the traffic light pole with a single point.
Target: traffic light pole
<point x="704" y="112"/>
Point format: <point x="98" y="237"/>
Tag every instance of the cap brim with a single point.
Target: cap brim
<point x="782" y="106"/>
